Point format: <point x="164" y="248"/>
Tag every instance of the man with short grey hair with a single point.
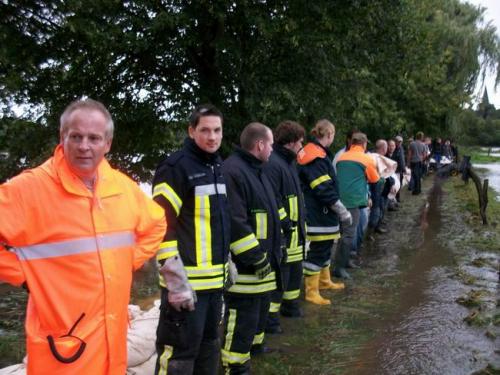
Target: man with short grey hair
<point x="72" y="231"/>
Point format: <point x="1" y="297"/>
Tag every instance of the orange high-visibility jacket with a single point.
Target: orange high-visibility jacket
<point x="76" y="251"/>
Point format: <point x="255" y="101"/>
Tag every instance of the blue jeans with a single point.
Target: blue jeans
<point x="360" y="230"/>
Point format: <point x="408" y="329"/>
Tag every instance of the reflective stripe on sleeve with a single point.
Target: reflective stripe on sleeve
<point x="169" y="194"/>
<point x="332" y="229"/>
<point x="319" y="180"/>
<point x="322" y="237"/>
<point x="167" y="250"/>
<point x="76" y="246"/>
<point x="244" y="244"/>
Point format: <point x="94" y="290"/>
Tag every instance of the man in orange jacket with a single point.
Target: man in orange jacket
<point x="72" y="231"/>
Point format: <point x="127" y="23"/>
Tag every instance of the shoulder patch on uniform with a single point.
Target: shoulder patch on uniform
<point x="310" y="152"/>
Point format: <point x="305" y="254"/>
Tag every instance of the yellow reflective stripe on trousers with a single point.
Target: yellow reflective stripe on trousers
<point x="243" y="244"/>
<point x="258" y="339"/>
<point x="164" y="357"/>
<point x="282" y="213"/>
<point x="101" y="242"/>
<point x="234" y="357"/>
<point x="167" y="249"/>
<point x="319" y="180"/>
<point x="291" y="294"/>
<point x="261" y="225"/>
<point x="274" y="307"/>
<point x="169" y="194"/>
<point x="307" y="272"/>
<point x="227" y="355"/>
<point x="294" y="258"/>
<point x="294" y="208"/>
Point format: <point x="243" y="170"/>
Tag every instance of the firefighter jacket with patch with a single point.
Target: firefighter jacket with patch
<point x="76" y="249"/>
<point x="255" y="223"/>
<point x="319" y="184"/>
<point x="190" y="186"/>
<point x="282" y="172"/>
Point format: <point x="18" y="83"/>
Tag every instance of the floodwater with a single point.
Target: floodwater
<point x="427" y="333"/>
<point x="493" y="151"/>
<point x="492" y="172"/>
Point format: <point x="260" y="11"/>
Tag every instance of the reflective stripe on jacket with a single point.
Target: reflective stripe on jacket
<point x="255" y="223"/>
<point x="319" y="184"/>
<point x="189" y="185"/>
<point x="76" y="251"/>
<point x="284" y="178"/>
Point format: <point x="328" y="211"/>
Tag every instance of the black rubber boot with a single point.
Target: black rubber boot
<point x="234" y="369"/>
<point x="273" y="323"/>
<point x="291" y="309"/>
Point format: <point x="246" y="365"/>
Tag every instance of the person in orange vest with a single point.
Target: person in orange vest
<point x="72" y="231"/>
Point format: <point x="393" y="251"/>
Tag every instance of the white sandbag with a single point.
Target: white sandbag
<point x="146" y="368"/>
<point x="395" y="188"/>
<point x="385" y="166"/>
<point x="19" y="369"/>
<point x="142" y="335"/>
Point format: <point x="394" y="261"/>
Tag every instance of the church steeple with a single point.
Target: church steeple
<point x="485" y="109"/>
<point x="486" y="100"/>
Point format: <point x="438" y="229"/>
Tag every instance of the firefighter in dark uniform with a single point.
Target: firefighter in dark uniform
<point x="190" y="186"/>
<point x="255" y="248"/>
<point x="324" y="209"/>
<point x="282" y="172"/>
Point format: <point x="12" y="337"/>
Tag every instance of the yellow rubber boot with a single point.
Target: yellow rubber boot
<point x="312" y="290"/>
<point x="325" y="281"/>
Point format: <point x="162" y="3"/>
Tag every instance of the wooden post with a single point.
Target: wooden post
<point x="482" y="192"/>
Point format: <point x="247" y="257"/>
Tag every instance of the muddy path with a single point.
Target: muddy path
<point x="425" y="302"/>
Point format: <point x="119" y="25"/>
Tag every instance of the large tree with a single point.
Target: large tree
<point x="384" y="66"/>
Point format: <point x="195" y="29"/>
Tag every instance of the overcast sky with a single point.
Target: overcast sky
<point x="492" y="14"/>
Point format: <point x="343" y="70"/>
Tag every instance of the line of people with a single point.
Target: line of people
<point x="243" y="233"/>
<point x="233" y="239"/>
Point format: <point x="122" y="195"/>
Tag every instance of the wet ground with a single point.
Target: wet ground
<point x="426" y="301"/>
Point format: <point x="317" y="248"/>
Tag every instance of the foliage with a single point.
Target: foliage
<point x="384" y="66"/>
